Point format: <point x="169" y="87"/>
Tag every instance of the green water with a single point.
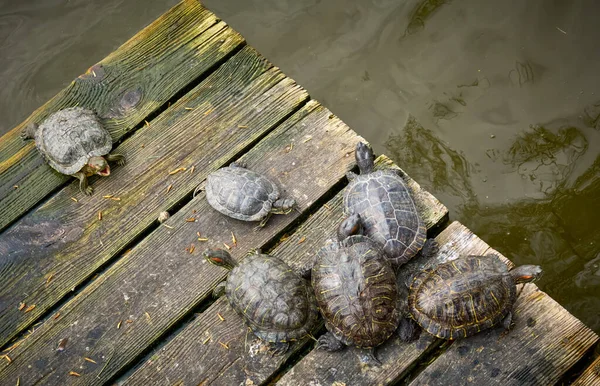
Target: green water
<point x="493" y="106"/>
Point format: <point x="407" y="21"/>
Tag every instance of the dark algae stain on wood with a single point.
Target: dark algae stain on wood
<point x="193" y="138"/>
<point x="124" y="88"/>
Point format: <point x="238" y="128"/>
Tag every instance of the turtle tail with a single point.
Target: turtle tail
<point x="28" y="131"/>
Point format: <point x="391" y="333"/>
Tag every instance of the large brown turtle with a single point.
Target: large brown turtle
<point x="74" y="142"/>
<point x="386" y="207"/>
<point x="356" y="290"/>
<point x="277" y="304"/>
<point x="462" y="297"/>
<point x="245" y="195"/>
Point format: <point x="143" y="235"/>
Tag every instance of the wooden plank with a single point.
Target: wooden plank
<point x="397" y="357"/>
<point x="545" y="342"/>
<point x="159" y="281"/>
<point x="196" y="355"/>
<point x="591" y="375"/>
<point x="124" y="88"/>
<point x="60" y="244"/>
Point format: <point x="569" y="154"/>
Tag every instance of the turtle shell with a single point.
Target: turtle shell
<point x="356" y="291"/>
<point x="277" y="304"/>
<point x="459" y="298"/>
<point x="388" y="213"/>
<point x="240" y="193"/>
<point x="69" y="137"/>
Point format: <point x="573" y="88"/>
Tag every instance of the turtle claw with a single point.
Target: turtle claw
<point x="29" y="131"/>
<point x="279" y="348"/>
<point x="330" y="343"/>
<point x="119" y="159"/>
<point x="239" y="164"/>
<point x="88" y="191"/>
<point x="368" y="358"/>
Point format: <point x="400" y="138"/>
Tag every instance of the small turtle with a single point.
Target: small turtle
<point x="74" y="142"/>
<point x="356" y="290"/>
<point x="462" y="297"/>
<point x="245" y="195"/>
<point x="386" y="207"/>
<point x="276" y="303"/>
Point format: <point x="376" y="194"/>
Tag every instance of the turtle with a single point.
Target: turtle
<point x="246" y="195"/>
<point x="386" y="207"/>
<point x="462" y="297"/>
<point x="356" y="291"/>
<point x="276" y="303"/>
<point x="74" y="142"/>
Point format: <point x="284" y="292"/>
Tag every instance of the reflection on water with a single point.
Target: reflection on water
<point x="494" y="106"/>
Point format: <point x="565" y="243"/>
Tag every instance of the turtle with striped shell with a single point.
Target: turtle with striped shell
<point x="462" y="297"/>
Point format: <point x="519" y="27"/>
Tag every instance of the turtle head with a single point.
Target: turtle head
<point x="98" y="165"/>
<point x="526" y="273"/>
<point x="219" y="257"/>
<point x="283" y="206"/>
<point x="365" y="159"/>
<point x="350" y="226"/>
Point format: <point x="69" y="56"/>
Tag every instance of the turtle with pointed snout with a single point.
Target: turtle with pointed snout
<point x="74" y="142"/>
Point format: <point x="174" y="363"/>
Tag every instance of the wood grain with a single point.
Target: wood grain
<point x="591" y="375"/>
<point x="161" y="279"/>
<point x="60" y="244"/>
<point x="196" y="354"/>
<point x="124" y="88"/>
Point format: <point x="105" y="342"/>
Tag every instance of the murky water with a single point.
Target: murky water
<point x="493" y="106"/>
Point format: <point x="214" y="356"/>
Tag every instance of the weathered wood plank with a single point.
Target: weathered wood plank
<point x="396" y="356"/>
<point x="196" y="354"/>
<point x="159" y="281"/>
<point x="591" y="375"/>
<point x="545" y="342"/>
<point x="124" y="88"/>
<point x="60" y="244"/>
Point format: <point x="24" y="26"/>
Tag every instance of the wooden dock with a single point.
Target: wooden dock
<point x="95" y="291"/>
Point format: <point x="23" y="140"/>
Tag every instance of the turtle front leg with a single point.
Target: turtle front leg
<point x="263" y="222"/>
<point x="83" y="184"/>
<point x="118" y="158"/>
<point x="278" y="348"/>
<point x="329" y="342"/>
<point x="238" y="164"/>
<point x="351" y="175"/>
<point x="368" y="357"/>
<point x="219" y="290"/>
